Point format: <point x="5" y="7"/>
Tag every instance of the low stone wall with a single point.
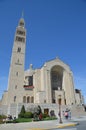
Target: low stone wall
<point x="14" y="109"/>
<point x="3" y="109"/>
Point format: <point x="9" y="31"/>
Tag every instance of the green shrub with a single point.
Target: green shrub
<point x="0" y="116"/>
<point x="28" y="115"/>
<point x="25" y="115"/>
<point x="35" y="117"/>
<point x="23" y="109"/>
<point x="39" y="110"/>
<point x="1" y="121"/>
<point x="21" y="114"/>
<point x="23" y="120"/>
<point x="45" y="115"/>
<point x="3" y="117"/>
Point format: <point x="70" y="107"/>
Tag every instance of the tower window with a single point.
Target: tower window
<point x="20" y="32"/>
<point x="19" y="49"/>
<point x="15" y="86"/>
<point x="14" y="98"/>
<point x="16" y="73"/>
<point x="21" y="24"/>
<point x="20" y="39"/>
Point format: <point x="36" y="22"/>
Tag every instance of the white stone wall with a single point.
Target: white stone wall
<point x="36" y="83"/>
<point x="4" y="98"/>
<point x="42" y="81"/>
<point x="40" y="97"/>
<point x="62" y="96"/>
<point x="68" y="88"/>
<point x="78" y="102"/>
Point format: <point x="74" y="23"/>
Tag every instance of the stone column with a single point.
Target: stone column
<point x="72" y="88"/>
<point x="35" y="85"/>
<point x="67" y="87"/>
<point x="48" y="87"/>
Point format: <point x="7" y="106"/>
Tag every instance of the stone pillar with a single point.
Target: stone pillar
<point x="72" y="88"/>
<point x="48" y="87"/>
<point x="68" y="88"/>
<point x="35" y="85"/>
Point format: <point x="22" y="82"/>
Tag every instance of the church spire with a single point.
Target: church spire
<point x="22" y="14"/>
<point x="22" y="22"/>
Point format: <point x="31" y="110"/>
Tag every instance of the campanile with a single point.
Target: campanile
<point x="16" y="73"/>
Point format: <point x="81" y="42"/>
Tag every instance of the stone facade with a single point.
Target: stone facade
<point x="51" y="84"/>
<point x="79" y="97"/>
<point x="54" y="82"/>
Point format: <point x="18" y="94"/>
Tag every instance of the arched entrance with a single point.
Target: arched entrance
<point x="56" y="80"/>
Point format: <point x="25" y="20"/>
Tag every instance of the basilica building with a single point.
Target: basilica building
<point x="51" y="84"/>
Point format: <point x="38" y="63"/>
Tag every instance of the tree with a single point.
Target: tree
<point x="23" y="109"/>
<point x="39" y="110"/>
<point x="22" y="113"/>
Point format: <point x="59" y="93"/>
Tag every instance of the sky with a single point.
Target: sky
<point x="55" y="28"/>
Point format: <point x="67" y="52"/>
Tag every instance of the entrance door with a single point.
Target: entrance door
<point x="46" y="111"/>
<point x="59" y="101"/>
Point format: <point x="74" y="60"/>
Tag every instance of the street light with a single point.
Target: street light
<point x="60" y="119"/>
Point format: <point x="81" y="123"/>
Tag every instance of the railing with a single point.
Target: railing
<point x="27" y="87"/>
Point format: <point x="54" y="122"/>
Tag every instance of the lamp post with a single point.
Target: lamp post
<point x="60" y="119"/>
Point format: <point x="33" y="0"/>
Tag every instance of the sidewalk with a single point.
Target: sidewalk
<point x="40" y="125"/>
<point x="67" y="123"/>
<point x="73" y="122"/>
<point x="55" y="124"/>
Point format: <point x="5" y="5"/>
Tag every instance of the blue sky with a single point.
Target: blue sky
<point x="55" y="28"/>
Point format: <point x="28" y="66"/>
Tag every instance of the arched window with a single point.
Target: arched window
<point x="28" y="99"/>
<point x="32" y="99"/>
<point x="24" y="99"/>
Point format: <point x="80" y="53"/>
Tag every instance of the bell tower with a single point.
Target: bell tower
<point x="16" y="73"/>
